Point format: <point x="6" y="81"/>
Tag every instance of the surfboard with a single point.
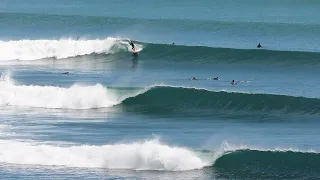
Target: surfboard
<point x="134" y="51"/>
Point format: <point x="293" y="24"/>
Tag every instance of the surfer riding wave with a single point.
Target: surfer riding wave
<point x="132" y="45"/>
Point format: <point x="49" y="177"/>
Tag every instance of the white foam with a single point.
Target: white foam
<point x="5" y="130"/>
<point x="63" y="48"/>
<point x="74" y="97"/>
<point x="148" y="155"/>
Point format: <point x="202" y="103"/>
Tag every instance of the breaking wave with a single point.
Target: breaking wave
<point x="59" y="49"/>
<point x="74" y="97"/>
<point x="147" y="155"/>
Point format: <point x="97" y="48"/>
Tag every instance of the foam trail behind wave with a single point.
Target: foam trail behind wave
<point x="148" y="155"/>
<point x="74" y="97"/>
<point x="63" y="48"/>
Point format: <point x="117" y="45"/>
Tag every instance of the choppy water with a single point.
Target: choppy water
<point x="123" y="116"/>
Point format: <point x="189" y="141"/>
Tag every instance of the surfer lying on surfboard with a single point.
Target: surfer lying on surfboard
<point x="233" y="82"/>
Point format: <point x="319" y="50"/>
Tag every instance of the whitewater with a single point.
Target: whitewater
<point x="148" y="155"/>
<point x="73" y="97"/>
<point x="60" y="49"/>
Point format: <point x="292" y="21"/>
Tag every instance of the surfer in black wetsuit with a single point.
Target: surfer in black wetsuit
<point x="132" y="45"/>
<point x="259" y="46"/>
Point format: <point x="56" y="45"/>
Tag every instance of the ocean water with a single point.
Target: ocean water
<point x="122" y="116"/>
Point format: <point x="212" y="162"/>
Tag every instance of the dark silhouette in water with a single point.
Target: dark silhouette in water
<point x="67" y="73"/>
<point x="259" y="46"/>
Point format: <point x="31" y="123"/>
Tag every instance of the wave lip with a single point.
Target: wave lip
<point x="148" y="155"/>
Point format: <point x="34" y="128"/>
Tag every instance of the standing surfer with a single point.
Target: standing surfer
<point x="132" y="45"/>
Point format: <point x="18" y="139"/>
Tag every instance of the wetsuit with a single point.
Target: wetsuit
<point x="132" y="45"/>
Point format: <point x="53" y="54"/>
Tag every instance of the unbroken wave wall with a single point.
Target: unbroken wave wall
<point x="268" y="164"/>
<point x="201" y="102"/>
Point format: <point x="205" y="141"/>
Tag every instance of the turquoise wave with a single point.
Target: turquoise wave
<point x="190" y="102"/>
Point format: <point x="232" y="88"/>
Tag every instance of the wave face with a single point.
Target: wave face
<point x="216" y="55"/>
<point x="267" y="164"/>
<point x="148" y="155"/>
<point x="74" y="97"/>
<point x="200" y="102"/>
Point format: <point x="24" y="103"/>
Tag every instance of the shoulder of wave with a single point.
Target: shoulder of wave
<point x="226" y="148"/>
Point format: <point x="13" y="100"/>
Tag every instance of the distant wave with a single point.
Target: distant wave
<point x="216" y="55"/>
<point x="160" y="53"/>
